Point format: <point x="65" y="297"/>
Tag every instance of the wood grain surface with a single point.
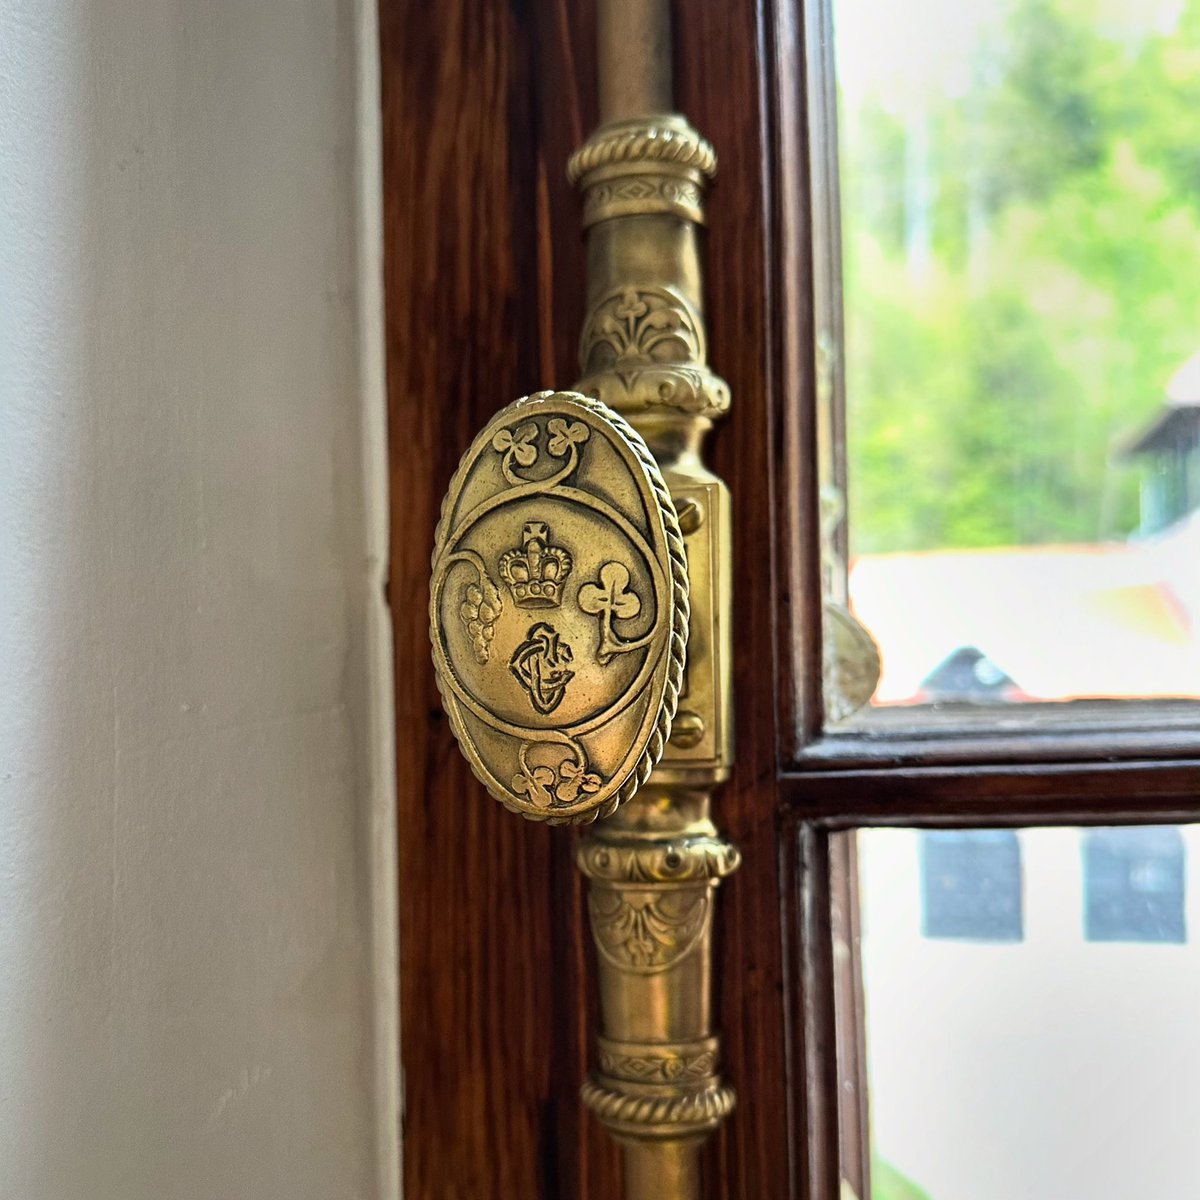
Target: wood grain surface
<point x="482" y="103"/>
<point x="478" y="220"/>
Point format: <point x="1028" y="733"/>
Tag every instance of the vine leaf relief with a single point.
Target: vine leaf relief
<point x="611" y="598"/>
<point x="540" y="666"/>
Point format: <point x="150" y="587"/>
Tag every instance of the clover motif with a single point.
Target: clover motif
<point x="611" y="595"/>
<point x="563" y="435"/>
<point x="573" y="780"/>
<point x="521" y="443"/>
<point x="536" y="783"/>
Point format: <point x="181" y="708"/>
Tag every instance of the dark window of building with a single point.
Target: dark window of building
<point x="971" y="885"/>
<point x="1134" y="885"/>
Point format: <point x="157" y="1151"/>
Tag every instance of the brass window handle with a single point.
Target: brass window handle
<point x="559" y="608"/>
<point x="580" y="612"/>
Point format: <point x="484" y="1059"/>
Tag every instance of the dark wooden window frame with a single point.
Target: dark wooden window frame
<point x="1094" y="763"/>
<point x="483" y="100"/>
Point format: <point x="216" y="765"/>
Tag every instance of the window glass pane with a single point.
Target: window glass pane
<point x="1054" y="1067"/>
<point x="1020" y="191"/>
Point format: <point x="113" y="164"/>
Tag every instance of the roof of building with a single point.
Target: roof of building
<point x="1179" y="416"/>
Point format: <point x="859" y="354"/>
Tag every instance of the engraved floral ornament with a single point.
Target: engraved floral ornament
<point x="516" y="445"/>
<point x="659" y="1065"/>
<point x="646" y="932"/>
<point x="650" y="340"/>
<point x="564" y="435"/>
<point x="635" y="328"/>
<point x="519" y="446"/>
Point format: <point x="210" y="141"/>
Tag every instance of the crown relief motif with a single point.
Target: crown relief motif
<point x="535" y="574"/>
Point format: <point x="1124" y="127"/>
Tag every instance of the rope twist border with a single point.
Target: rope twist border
<point x="666" y="140"/>
<point x="703" y="1109"/>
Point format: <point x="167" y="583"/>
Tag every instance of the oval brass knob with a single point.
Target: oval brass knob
<point x="559" y="608"/>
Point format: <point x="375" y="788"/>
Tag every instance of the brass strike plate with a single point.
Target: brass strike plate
<point x="559" y="608"/>
<point x="702" y="733"/>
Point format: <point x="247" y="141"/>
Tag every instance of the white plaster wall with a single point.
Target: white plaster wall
<point x="196" y="937"/>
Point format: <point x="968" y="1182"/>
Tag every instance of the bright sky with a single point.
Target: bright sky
<point x="907" y="50"/>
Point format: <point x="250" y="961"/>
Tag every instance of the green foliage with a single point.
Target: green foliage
<point x="1002" y="340"/>
<point x="888" y="1184"/>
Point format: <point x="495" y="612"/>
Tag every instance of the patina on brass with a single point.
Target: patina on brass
<point x="583" y="546"/>
<point x="559" y="608"/>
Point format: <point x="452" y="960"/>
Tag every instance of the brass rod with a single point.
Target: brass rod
<point x="661" y="1170"/>
<point x="654" y="866"/>
<point x="634" y="53"/>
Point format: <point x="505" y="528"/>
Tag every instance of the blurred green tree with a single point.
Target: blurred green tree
<point x="1000" y="341"/>
<point x="888" y="1184"/>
